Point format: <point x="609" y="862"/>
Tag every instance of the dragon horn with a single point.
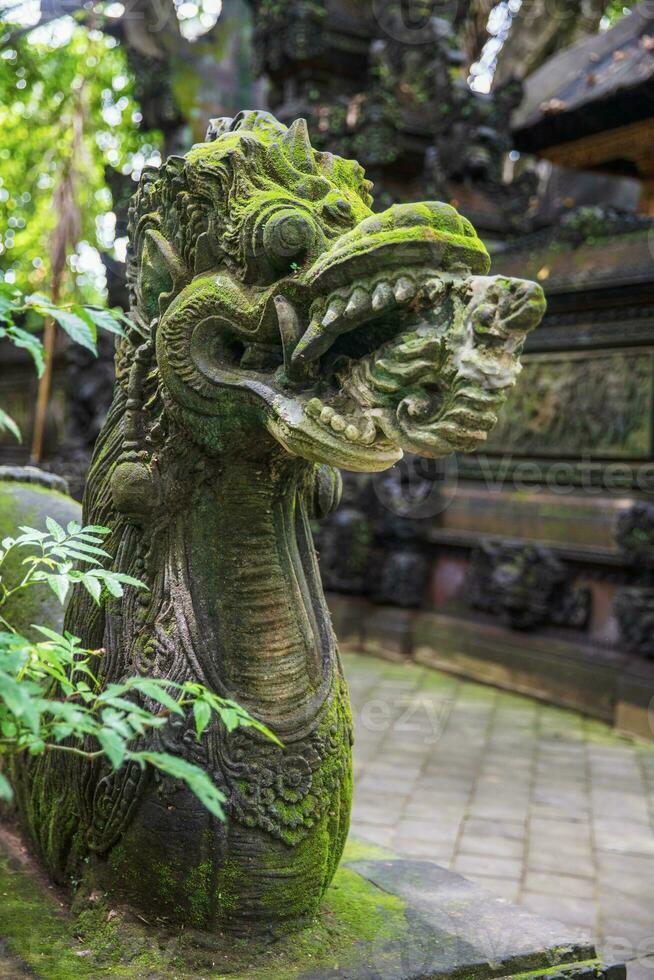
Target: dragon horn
<point x="298" y="149"/>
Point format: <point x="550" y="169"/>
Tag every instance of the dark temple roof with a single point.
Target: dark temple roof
<point x="601" y="83"/>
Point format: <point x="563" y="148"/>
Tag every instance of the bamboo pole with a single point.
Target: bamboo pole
<point x="66" y="233"/>
<point x="43" y="396"/>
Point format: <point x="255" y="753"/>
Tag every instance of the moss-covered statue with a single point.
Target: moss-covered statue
<point x="282" y="329"/>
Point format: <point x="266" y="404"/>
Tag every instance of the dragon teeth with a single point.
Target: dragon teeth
<point x="404" y="289"/>
<point x="368" y="432"/>
<point x="333" y="313"/>
<point x="364" y="433"/>
<point x="382" y="296"/>
<point x="358" y="303"/>
<point x="314" y="408"/>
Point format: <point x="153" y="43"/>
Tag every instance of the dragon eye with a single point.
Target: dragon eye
<point x="288" y="236"/>
<point x="338" y="209"/>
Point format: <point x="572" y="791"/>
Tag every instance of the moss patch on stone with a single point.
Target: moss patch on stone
<point x="101" y="941"/>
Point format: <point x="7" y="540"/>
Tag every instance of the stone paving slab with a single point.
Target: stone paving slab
<point x="472" y="936"/>
<point x="537" y="803"/>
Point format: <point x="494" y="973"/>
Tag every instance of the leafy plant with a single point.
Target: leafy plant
<point x="615" y="10"/>
<point x="53" y="562"/>
<point x="50" y="697"/>
<point x="69" y="114"/>
<point x="80" y="323"/>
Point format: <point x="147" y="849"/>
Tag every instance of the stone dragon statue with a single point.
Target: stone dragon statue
<point x="281" y="330"/>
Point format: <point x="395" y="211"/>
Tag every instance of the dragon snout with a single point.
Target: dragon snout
<point x="526" y="304"/>
<point x="505" y="310"/>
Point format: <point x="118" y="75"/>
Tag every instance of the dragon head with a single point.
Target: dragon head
<point x="278" y="299"/>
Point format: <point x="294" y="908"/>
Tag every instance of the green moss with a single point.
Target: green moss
<point x="571" y="971"/>
<point x="227" y="887"/>
<point x="356" y="925"/>
<point x="56" y="946"/>
<point x="101" y="941"/>
<point x="167" y="879"/>
<point x="198" y="887"/>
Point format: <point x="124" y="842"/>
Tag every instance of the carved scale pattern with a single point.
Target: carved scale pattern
<point x="286" y="791"/>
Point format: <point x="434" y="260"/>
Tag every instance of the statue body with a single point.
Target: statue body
<point x="282" y="330"/>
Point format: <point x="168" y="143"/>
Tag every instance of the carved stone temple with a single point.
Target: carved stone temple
<point x="281" y="330"/>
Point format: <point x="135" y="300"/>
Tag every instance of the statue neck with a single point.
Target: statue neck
<point x="263" y="627"/>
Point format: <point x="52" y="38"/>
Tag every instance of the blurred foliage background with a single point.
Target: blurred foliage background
<point x="91" y="93"/>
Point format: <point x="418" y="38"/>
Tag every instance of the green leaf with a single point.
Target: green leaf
<point x="59" y="585"/>
<point x="18" y="697"/>
<point x="114" y="587"/>
<point x="32" y="533"/>
<point x="92" y="586"/>
<point x="124" y="318"/>
<point x="116" y="720"/>
<point x="10" y="299"/>
<point x="91" y="538"/>
<point x="51" y="635"/>
<point x="229" y="718"/>
<point x="8" y="424"/>
<point x="202" y="716"/>
<point x="104" y="320"/>
<point x="40" y="303"/>
<point x="109" y="575"/>
<point x="79" y="330"/>
<point x="6" y="792"/>
<point x="113" y="746"/>
<point x="128" y="580"/>
<point x="55" y="529"/>
<point x="90" y="549"/>
<point x="31" y="343"/>
<point x="67" y="551"/>
<point x="149" y="687"/>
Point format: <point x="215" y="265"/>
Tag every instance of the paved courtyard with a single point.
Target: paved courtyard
<point x="539" y="804"/>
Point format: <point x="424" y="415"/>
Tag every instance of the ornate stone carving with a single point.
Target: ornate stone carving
<point x="372" y="545"/>
<point x="526" y="586"/>
<point x="386" y="83"/>
<point x="599" y="406"/>
<point x="634" y="611"/>
<point x="280" y="329"/>
<point x="635" y="536"/>
<point x="634" y="606"/>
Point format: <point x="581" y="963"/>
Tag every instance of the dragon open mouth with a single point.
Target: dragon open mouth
<point x="417" y="360"/>
<point x="359" y="335"/>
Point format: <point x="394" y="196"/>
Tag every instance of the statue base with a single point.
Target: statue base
<point x="383" y="918"/>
